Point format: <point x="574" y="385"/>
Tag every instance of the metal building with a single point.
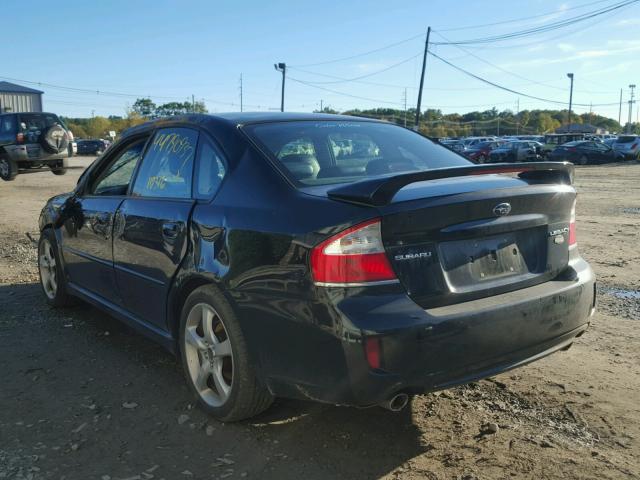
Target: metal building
<point x="16" y="98"/>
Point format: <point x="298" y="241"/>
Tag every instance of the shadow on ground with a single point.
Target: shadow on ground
<point x="93" y="398"/>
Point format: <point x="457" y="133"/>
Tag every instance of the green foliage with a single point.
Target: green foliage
<point x="142" y="110"/>
<point x="489" y="122"/>
<point x="144" y="107"/>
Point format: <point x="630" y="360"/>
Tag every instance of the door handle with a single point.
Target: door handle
<point x="170" y="230"/>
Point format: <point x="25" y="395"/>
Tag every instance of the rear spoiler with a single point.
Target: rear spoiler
<point x="380" y="191"/>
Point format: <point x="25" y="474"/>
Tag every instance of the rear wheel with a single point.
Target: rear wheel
<point x="583" y="160"/>
<point x="215" y="358"/>
<point x="482" y="159"/>
<point x="8" y="168"/>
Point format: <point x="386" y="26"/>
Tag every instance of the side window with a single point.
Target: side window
<point x="167" y="167"/>
<point x="8" y="125"/>
<point x="210" y="169"/>
<point x="114" y="180"/>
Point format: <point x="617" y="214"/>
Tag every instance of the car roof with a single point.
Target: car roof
<point x="242" y="118"/>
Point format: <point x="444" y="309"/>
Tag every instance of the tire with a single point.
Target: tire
<point x="223" y="382"/>
<point x="482" y="159"/>
<point x="8" y="168"/>
<point x="54" y="139"/>
<point x="60" y="169"/>
<point x="52" y="280"/>
<point x="583" y="160"/>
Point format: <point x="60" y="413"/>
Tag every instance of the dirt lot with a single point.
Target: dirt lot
<point x="83" y="397"/>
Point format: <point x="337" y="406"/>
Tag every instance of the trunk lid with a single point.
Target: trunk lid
<point x="457" y="239"/>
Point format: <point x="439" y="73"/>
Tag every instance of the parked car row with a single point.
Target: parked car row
<point x="576" y="148"/>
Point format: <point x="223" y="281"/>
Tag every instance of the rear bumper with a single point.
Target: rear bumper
<point x="33" y="153"/>
<point x="428" y="350"/>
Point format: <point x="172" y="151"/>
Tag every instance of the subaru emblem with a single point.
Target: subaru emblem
<point x="502" y="209"/>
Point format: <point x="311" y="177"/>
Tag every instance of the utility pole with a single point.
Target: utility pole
<point x="281" y="67"/>
<point x="424" y="67"/>
<point x="631" y="101"/>
<point x="570" y="75"/>
<point x="591" y="113"/>
<point x="193" y="103"/>
<point x="518" y="116"/>
<point x="498" y="126"/>
<point x="620" y="110"/>
<point x="321" y="106"/>
<point x="241" y="92"/>
<point x="405" y="106"/>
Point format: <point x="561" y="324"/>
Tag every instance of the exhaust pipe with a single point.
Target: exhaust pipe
<point x="396" y="403"/>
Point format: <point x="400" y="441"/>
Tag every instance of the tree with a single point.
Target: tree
<point x="326" y="109"/>
<point x="144" y="107"/>
<point x="98" y="127"/>
<point x="77" y="130"/>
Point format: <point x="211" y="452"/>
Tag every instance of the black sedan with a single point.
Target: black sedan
<point x="583" y="153"/>
<point x="342" y="260"/>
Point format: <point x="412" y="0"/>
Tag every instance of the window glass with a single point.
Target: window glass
<point x="167" y="167"/>
<point x="114" y="180"/>
<point x="7" y="125"/>
<point x="39" y="121"/>
<point x="210" y="169"/>
<point x="299" y="156"/>
<point x="349" y="151"/>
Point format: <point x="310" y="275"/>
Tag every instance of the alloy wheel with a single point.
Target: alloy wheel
<point x="47" y="266"/>
<point x="209" y="355"/>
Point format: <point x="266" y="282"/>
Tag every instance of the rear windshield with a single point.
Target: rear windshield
<point x="626" y="139"/>
<point x="39" y="121"/>
<point x="327" y="152"/>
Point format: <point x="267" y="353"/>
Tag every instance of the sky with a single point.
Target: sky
<point x="170" y="50"/>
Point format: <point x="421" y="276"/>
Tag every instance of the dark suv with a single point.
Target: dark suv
<point x="32" y="140"/>
<point x="91" y="147"/>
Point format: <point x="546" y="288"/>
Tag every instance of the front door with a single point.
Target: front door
<point x="152" y="224"/>
<point x="87" y="220"/>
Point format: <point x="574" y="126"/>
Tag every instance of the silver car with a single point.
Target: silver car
<point x="628" y="146"/>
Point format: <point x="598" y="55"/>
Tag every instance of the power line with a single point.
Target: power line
<point x="363" y="54"/>
<point x="342" y="93"/>
<point x="514" y="20"/>
<point x="371" y="74"/>
<point x="501" y="87"/>
<point x="568" y="33"/>
<point x="496" y="38"/>
<point x="497" y="67"/>
<point x="545" y="28"/>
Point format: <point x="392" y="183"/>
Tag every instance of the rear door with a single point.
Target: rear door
<point x="152" y="224"/>
<point x="88" y="223"/>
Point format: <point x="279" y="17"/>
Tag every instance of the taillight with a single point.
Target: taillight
<point x="634" y="146"/>
<point x="354" y="256"/>
<point x="20" y="138"/>
<point x="572" y="226"/>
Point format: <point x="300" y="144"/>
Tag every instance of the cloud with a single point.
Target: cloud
<point x="629" y="47"/>
<point x="566" y="47"/>
<point x="369" y="67"/>
<point x="628" y="22"/>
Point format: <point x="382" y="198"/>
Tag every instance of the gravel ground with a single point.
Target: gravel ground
<point x="83" y="397"/>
